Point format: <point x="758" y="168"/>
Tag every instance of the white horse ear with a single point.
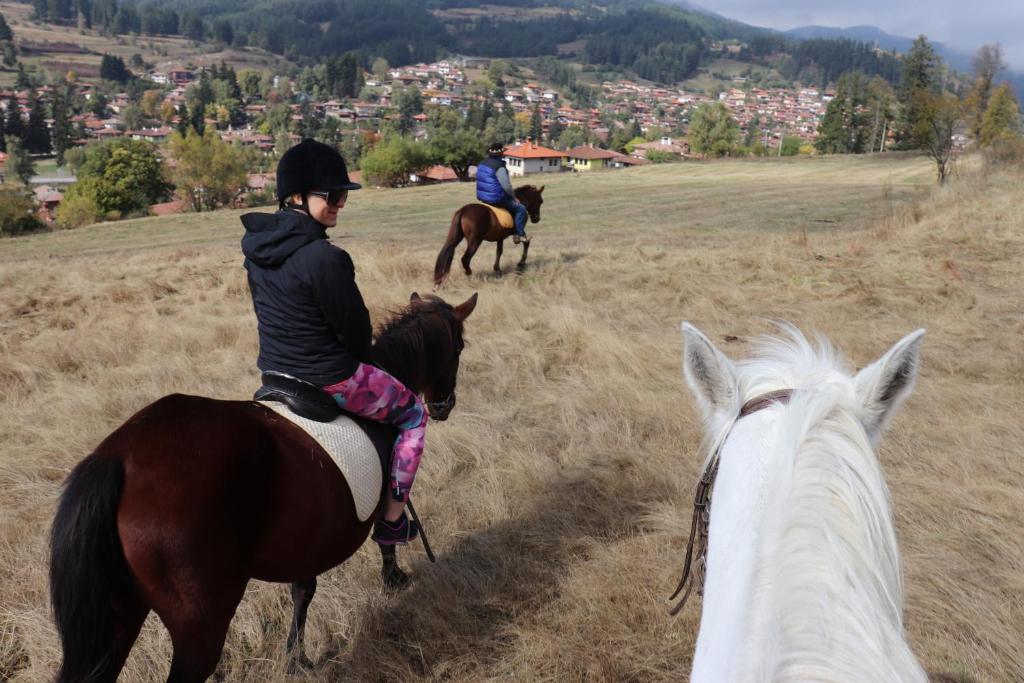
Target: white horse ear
<point x="709" y="374"/>
<point x="882" y="386"/>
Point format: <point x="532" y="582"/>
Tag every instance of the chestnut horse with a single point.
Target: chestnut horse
<point x="477" y="223"/>
<point x="191" y="497"/>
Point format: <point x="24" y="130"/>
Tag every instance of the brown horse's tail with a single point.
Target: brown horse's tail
<point x="444" y="258"/>
<point x="88" y="571"/>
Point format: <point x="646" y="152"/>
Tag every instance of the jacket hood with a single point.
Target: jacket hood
<point x="270" y="238"/>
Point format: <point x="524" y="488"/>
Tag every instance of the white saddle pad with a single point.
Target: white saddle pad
<point x="350" y="449"/>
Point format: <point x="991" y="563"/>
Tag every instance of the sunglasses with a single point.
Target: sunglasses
<point x="334" y="197"/>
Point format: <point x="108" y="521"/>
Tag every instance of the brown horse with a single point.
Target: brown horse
<point x="180" y="506"/>
<point x="477" y="223"/>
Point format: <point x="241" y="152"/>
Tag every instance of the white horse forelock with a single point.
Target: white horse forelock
<point x="803" y="578"/>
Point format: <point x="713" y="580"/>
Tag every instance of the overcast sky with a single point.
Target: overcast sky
<point x="962" y="25"/>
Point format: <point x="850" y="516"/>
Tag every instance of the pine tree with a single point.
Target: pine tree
<point x="920" y="76"/>
<point x="61" y="132"/>
<point x="37" y="137"/>
<point x="22" y="81"/>
<point x="5" y="30"/>
<point x="1001" y="121"/>
<point x="536" y="125"/>
<point x="14" y="126"/>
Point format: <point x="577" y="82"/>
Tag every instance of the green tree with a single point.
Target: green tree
<point x="845" y="127"/>
<point x="5" y="30"/>
<point x="920" y="76"/>
<point x="937" y="121"/>
<point x="119" y="177"/>
<point x="79" y="206"/>
<point x="790" y="146"/>
<point x="458" y="150"/>
<point x="209" y="173"/>
<point x="536" y="125"/>
<point x="113" y="69"/>
<point x="409" y="103"/>
<point x="61" y="133"/>
<point x="988" y="62"/>
<point x="22" y="80"/>
<point x="392" y="160"/>
<point x="881" y="105"/>
<point x="18" y="160"/>
<point x="17" y="212"/>
<point x="1001" y="122"/>
<point x="10" y="57"/>
<point x="713" y="131"/>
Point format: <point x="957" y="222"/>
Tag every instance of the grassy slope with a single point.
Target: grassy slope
<point x="154" y="49"/>
<point x="558" y="493"/>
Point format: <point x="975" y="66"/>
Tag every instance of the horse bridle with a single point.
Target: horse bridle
<point x="702" y="508"/>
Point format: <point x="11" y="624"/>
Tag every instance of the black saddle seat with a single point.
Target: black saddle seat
<point x="302" y="398"/>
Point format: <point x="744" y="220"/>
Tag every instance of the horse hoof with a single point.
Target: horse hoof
<point x="300" y="665"/>
<point x="394" y="578"/>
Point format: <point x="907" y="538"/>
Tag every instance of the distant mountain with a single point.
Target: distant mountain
<point x="886" y="41"/>
<point x="876" y="36"/>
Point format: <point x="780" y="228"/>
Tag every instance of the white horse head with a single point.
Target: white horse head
<point x="803" y="578"/>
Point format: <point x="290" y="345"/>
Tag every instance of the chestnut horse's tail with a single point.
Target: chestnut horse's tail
<point x="88" y="571"/>
<point x="444" y="258"/>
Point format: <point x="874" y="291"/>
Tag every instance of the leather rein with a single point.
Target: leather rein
<point x="695" y="568"/>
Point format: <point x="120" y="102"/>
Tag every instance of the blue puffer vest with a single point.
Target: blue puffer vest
<point x="488" y="189"/>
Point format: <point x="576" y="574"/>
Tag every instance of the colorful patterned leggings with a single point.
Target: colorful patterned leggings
<point x="372" y="393"/>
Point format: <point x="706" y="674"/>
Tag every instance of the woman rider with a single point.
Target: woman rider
<point x="312" y="321"/>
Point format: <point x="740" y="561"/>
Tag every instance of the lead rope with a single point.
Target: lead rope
<point x="694" y="569"/>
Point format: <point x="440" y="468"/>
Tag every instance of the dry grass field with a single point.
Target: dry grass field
<point x="558" y="494"/>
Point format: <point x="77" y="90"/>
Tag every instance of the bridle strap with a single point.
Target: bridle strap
<point x="695" y="569"/>
<point x="764" y="400"/>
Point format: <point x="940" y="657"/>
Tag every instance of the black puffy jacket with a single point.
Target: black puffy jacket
<point x="313" y="323"/>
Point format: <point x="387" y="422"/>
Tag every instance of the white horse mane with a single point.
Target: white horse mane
<point x="825" y="591"/>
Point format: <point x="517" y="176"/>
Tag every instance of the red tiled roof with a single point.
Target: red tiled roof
<point x="589" y="152"/>
<point x="528" y="150"/>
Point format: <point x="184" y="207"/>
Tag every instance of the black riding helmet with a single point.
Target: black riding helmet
<point x="496" y="148"/>
<point x="311" y="165"/>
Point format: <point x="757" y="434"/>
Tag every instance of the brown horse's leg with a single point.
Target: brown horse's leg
<point x="129" y="615"/>
<point x="497" y="257"/>
<point x="522" y="260"/>
<point x="471" y="247"/>
<point x="198" y="629"/>
<point x="390" y="572"/>
<point x="302" y="595"/>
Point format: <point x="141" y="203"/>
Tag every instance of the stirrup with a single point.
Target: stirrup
<point x="399" y="532"/>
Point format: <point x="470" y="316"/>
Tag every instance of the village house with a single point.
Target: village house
<point x="154" y="135"/>
<point x="529" y="158"/>
<point x="666" y="145"/>
<point x="588" y="158"/>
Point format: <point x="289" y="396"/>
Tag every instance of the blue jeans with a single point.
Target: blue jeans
<point x="518" y="212"/>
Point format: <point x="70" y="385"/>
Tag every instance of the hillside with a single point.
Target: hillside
<point x="558" y="495"/>
<point x="662" y="42"/>
<point x="56" y="48"/>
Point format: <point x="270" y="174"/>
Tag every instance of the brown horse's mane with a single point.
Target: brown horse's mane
<point x="413" y="335"/>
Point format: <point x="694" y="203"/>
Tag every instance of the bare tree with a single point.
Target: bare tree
<point x="988" y="62"/>
<point x="941" y="115"/>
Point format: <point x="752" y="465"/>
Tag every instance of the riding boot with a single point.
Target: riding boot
<point x="401" y="531"/>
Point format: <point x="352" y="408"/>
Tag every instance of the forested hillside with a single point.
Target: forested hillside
<point x="656" y="41"/>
